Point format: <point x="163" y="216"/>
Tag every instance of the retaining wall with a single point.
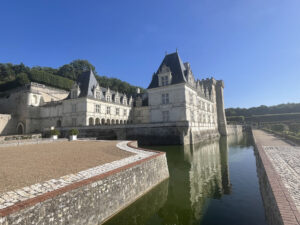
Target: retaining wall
<point x="279" y="206"/>
<point x="234" y="129"/>
<point x="92" y="200"/>
<point x="7" y="124"/>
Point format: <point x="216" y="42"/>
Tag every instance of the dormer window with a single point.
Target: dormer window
<point x="124" y="101"/>
<point x="74" y="94"/>
<point x="98" y="94"/>
<point x="108" y="98"/>
<point x="164" y="76"/>
<point x="75" y="91"/>
<point x="164" y="80"/>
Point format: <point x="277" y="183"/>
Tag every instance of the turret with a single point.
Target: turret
<point x="220" y="108"/>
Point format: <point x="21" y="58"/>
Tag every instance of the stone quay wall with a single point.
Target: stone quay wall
<point x="171" y="133"/>
<point x="279" y="207"/>
<point x="93" y="200"/>
<point x="234" y="129"/>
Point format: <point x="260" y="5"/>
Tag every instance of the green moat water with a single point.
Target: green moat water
<point x="210" y="183"/>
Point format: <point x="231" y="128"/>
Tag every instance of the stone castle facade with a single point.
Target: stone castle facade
<point x="175" y="105"/>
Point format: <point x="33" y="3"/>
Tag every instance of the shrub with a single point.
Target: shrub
<point x="54" y="132"/>
<point x="294" y="127"/>
<point x="278" y="127"/>
<point x="74" y="131"/>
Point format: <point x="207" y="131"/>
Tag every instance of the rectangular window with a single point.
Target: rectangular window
<point x="74" y="122"/>
<point x="191" y="98"/>
<point x="108" y="98"/>
<point x="117" y="111"/>
<point x="192" y="116"/>
<point x="164" y="81"/>
<point x="73" y="108"/>
<point x="98" y="94"/>
<point x="108" y="110"/>
<point x="97" y="108"/>
<point x="165" y="98"/>
<point x="166" y="116"/>
<point x="125" y="112"/>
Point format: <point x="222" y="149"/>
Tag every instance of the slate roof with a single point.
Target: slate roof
<point x="176" y="66"/>
<point x="87" y="82"/>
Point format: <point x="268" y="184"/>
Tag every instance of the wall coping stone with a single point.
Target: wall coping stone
<point x="16" y="200"/>
<point x="285" y="204"/>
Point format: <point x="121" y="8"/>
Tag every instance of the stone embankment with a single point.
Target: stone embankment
<point x="279" y="176"/>
<point x="90" y="196"/>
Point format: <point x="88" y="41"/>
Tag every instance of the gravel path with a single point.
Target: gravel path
<point x="25" y="165"/>
<point x="286" y="161"/>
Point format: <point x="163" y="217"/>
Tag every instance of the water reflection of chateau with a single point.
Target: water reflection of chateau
<point x="198" y="173"/>
<point x="208" y="175"/>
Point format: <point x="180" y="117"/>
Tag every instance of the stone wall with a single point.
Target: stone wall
<point x="172" y="133"/>
<point x="7" y="124"/>
<point x="270" y="204"/>
<point x="92" y="200"/>
<point x="279" y="207"/>
<point x="234" y="129"/>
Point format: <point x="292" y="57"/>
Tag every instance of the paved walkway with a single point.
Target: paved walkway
<point x="286" y="160"/>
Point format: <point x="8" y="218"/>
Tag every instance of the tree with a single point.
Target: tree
<point x="67" y="71"/>
<point x="81" y="65"/>
<point x="22" y="79"/>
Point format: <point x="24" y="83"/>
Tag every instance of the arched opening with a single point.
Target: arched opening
<point x="91" y="121"/>
<point x="108" y="121"/>
<point x="58" y="123"/>
<point x="103" y="121"/>
<point x="125" y="121"/>
<point x="112" y="121"/>
<point x="121" y="121"/>
<point x="117" y="121"/>
<point x="20" y="128"/>
<point x="97" y="121"/>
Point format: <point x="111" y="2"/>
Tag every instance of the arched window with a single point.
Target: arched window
<point x="112" y="121"/>
<point x="91" y="121"/>
<point x="97" y="121"/>
<point x="20" y="128"/>
<point x="103" y="121"/>
<point x="108" y="121"/>
<point x="117" y="121"/>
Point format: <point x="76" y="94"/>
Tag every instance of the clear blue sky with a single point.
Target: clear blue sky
<point x="253" y="45"/>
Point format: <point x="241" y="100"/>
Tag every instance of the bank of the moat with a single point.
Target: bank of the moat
<point x="88" y="197"/>
<point x="214" y="182"/>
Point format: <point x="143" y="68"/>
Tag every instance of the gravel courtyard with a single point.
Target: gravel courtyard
<point x="25" y="165"/>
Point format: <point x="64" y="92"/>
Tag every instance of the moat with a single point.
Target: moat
<point x="210" y="183"/>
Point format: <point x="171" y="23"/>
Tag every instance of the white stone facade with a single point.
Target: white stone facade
<point x="172" y="96"/>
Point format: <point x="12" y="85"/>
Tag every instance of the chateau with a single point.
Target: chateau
<point x="175" y="109"/>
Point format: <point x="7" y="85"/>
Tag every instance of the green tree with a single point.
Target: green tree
<point x="22" y="79"/>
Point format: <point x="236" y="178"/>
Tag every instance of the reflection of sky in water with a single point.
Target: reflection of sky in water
<point x="210" y="183"/>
